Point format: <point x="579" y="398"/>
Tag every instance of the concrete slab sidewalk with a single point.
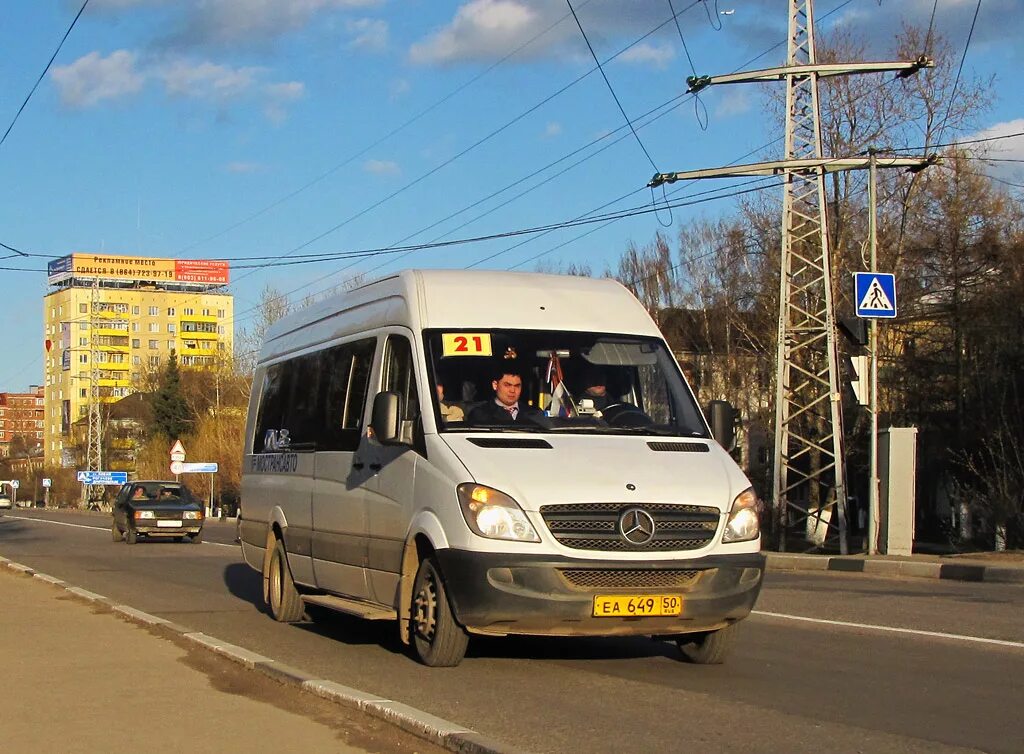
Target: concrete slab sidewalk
<point x="88" y="678"/>
<point x="915" y="566"/>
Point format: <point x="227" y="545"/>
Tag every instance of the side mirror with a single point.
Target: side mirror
<point x="385" y="421"/>
<point x="723" y="423"/>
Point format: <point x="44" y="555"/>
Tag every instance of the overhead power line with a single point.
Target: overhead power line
<point x="41" y="75"/>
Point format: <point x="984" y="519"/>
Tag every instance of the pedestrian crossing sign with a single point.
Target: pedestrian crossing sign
<point x="875" y="294"/>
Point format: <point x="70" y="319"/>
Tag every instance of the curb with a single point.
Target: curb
<point x="449" y="735"/>
<point x="905" y="568"/>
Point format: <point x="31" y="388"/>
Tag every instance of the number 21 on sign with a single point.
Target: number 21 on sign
<point x="466" y="344"/>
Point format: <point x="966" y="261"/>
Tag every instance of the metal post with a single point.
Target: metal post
<point x="873" y="505"/>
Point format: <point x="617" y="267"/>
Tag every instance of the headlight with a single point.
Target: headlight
<point x="145" y="514"/>
<point x="494" y="514"/>
<point x="192" y="515"/>
<point x="743" y="524"/>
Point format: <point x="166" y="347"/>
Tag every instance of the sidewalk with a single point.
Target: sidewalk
<point x="982" y="567"/>
<point x="81" y="678"/>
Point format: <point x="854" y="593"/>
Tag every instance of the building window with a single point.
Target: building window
<point x="220" y="329"/>
<point x="135" y="326"/>
<point x="189" y="311"/>
<point x="136" y="360"/>
<point x="83" y="308"/>
<point x="171" y="327"/>
<point x="83" y="341"/>
<point x="135" y="310"/>
<point x="82" y="392"/>
<point x="220" y="313"/>
<point x="154" y="361"/>
<point x="83" y="325"/>
<point x="170" y="345"/>
<point x="153" y="344"/>
<point x="154" y="327"/>
<point x="83" y="358"/>
<point x="154" y="310"/>
<point x="170" y="311"/>
<point x="136" y="343"/>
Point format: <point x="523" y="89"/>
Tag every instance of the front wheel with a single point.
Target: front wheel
<point x="285" y="603"/>
<point x="708" y="648"/>
<point x="439" y="641"/>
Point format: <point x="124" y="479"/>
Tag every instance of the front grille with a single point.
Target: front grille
<point x="594" y="526"/>
<point x="600" y="578"/>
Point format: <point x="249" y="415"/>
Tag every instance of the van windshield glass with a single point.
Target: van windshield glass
<point x="545" y="381"/>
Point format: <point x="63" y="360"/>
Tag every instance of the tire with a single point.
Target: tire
<point x="438" y="640"/>
<point x="116" y="533"/>
<point x="131" y="536"/>
<point x="285" y="603"/>
<point x="197" y="538"/>
<point x="710" y="648"/>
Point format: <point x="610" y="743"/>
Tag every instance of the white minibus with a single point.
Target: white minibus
<point x="493" y="453"/>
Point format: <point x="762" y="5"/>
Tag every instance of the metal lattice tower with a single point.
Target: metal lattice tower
<point x="94" y="438"/>
<point x="809" y="474"/>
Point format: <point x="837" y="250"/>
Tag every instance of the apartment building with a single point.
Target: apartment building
<point x="109" y="318"/>
<point x="21" y="415"/>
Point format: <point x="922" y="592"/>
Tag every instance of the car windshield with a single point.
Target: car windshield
<point x="561" y="381"/>
<point x="157" y="491"/>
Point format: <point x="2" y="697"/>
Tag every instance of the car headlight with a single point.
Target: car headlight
<point x="743" y="524"/>
<point x="494" y="514"/>
<point x="192" y="515"/>
<point x="145" y="514"/>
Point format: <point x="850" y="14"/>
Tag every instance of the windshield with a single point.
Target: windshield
<point x="544" y="381"/>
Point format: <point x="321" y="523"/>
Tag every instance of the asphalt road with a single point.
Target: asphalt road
<point x="802" y="678"/>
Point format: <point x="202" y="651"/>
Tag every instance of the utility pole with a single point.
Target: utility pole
<point x="94" y="440"/>
<point x="809" y="471"/>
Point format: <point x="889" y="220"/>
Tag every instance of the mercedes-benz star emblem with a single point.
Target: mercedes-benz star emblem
<point x="636" y="526"/>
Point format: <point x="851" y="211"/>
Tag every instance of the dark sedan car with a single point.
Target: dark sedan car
<point x="154" y="509"/>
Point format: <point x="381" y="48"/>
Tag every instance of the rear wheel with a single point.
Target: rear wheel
<point x="285" y="602"/>
<point x="709" y="648"/>
<point x="116" y="533"/>
<point x="439" y="641"/>
<point x="131" y="536"/>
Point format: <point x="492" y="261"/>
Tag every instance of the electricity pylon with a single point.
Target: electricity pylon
<point x="94" y="438"/>
<point x="809" y="470"/>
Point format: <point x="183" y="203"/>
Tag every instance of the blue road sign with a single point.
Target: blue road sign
<point x="199" y="468"/>
<point x="875" y="294"/>
<point x="103" y="477"/>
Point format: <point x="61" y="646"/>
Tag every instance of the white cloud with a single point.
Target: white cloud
<point x="246" y="22"/>
<point x="381" y="167"/>
<point x="398" y="88"/>
<point x="479" y="30"/>
<point x="276" y="96"/>
<point x="552" y="129"/>
<point x="647" y="54"/>
<point x="369" y="34"/>
<point x="206" y="80"/>
<point x="1001" y="149"/>
<point x="733" y="101"/>
<point x="244" y="167"/>
<point x="94" y="78"/>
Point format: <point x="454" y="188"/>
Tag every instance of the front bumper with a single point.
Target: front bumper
<point x="499" y="594"/>
<point x="168" y="531"/>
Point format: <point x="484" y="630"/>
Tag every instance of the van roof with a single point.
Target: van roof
<point x="465" y="299"/>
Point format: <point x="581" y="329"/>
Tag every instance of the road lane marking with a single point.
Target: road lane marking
<point x="96" y="528"/>
<point x="893" y="629"/>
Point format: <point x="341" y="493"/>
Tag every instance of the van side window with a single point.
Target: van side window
<point x="273" y="400"/>
<point x="300" y="415"/>
<point x="345" y="378"/>
<point x="399" y="377"/>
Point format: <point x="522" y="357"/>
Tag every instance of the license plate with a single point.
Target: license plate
<point x="168" y="524"/>
<point x="628" y="606"/>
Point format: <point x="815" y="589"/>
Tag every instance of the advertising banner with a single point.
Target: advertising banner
<point x="120" y="267"/>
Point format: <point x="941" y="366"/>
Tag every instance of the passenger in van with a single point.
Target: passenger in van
<point x="506" y="408"/>
<point x="450" y="411"/>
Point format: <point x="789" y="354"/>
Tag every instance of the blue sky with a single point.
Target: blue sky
<point x="249" y="128"/>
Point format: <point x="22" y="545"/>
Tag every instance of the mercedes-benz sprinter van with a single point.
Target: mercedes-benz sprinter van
<point x="493" y="453"/>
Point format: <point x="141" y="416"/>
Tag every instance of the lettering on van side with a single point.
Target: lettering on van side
<point x="273" y="463"/>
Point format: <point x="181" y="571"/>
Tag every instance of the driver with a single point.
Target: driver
<point x="595" y="385"/>
<point x="506" y="408"/>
